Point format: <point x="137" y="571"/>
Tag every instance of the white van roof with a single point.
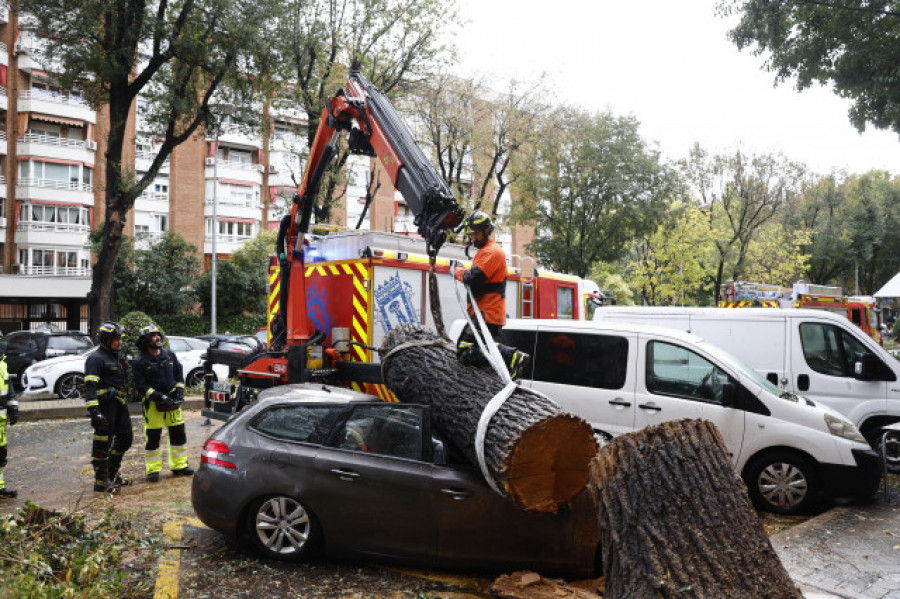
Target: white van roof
<point x="742" y="313"/>
<point x="600" y="325"/>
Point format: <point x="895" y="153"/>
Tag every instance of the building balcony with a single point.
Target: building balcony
<point x="237" y="137"/>
<point x="405" y="224"/>
<point x="4" y="49"/>
<point x="56" y="104"/>
<point x="4" y="99"/>
<point x="143" y="160"/>
<point x="234" y="171"/>
<point x="230" y="208"/>
<point x="144" y="240"/>
<point x="50" y="189"/>
<point x="152" y="202"/>
<point x="33" y="52"/>
<point x="57" y="147"/>
<point x="4" y="14"/>
<point x="3" y="146"/>
<point x="52" y="234"/>
<point x="225" y="244"/>
<point x="3" y="187"/>
<point x="3" y="222"/>
<point x="45" y="271"/>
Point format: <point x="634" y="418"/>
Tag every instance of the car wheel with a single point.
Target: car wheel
<point x="70" y="386"/>
<point x="195" y="378"/>
<point x="782" y="482"/>
<point x="282" y="528"/>
<point x="892" y="450"/>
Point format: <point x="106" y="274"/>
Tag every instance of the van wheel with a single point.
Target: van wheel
<point x="782" y="482"/>
<point x="195" y="378"/>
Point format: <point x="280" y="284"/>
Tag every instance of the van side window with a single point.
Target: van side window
<point x="585" y="360"/>
<point x="829" y="350"/>
<point x="674" y="370"/>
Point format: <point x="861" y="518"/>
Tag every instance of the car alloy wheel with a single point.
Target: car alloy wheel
<point x="70" y="386"/>
<point x="783" y="483"/>
<point x="282" y="528"/>
<point x="195" y="378"/>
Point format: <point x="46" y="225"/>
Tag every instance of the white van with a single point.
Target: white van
<point x="813" y="353"/>
<point x="621" y="377"/>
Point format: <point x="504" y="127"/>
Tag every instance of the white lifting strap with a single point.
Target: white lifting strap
<point x="496" y="360"/>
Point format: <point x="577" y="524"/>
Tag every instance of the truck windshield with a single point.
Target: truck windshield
<point x="744" y="369"/>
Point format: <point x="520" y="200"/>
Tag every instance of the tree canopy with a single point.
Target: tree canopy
<point x="592" y="184"/>
<point x="852" y="45"/>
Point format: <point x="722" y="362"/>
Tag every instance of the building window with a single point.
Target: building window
<point x="60" y="217"/>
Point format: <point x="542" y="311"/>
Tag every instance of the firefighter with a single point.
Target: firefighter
<point x="487" y="280"/>
<point x="9" y="414"/>
<point x="159" y="379"/>
<point x="105" y="381"/>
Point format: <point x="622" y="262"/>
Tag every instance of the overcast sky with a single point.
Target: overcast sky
<point x="669" y="64"/>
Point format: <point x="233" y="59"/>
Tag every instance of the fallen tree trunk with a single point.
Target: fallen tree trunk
<point x="675" y="520"/>
<point x="536" y="453"/>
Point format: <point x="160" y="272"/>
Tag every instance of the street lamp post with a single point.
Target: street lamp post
<point x="215" y="223"/>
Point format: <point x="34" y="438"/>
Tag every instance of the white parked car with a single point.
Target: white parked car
<point x="64" y="375"/>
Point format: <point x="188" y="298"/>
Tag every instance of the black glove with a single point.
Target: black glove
<point x="98" y="420"/>
<point x="177" y="394"/>
<point x="12" y="412"/>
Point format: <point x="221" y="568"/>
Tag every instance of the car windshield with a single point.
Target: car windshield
<point x="73" y="343"/>
<point x="744" y="369"/>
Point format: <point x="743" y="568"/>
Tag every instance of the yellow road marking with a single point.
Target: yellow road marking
<point x="167" y="574"/>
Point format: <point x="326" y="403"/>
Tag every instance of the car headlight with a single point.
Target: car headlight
<point x="843" y="428"/>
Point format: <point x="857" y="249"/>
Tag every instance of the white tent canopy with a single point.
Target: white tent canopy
<point x="891" y="288"/>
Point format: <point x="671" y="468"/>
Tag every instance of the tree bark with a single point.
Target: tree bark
<point x="675" y="519"/>
<point x="538" y="455"/>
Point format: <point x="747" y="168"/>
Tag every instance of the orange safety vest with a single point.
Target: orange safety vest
<point x="487" y="279"/>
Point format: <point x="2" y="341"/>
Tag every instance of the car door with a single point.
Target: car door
<point x="823" y="356"/>
<point x="588" y="374"/>
<point x="479" y="529"/>
<point x="676" y="382"/>
<point x="372" y="484"/>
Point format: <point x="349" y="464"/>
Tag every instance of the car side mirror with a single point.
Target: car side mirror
<point x="438" y="452"/>
<point x="729" y="394"/>
<point x="867" y="368"/>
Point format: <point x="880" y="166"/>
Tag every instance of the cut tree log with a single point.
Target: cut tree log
<point x="536" y="453"/>
<point x="675" y="519"/>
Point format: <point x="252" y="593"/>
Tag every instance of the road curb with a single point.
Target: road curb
<point x="54" y="409"/>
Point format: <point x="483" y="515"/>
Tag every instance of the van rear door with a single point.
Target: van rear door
<point x="588" y="373"/>
<point x="677" y="381"/>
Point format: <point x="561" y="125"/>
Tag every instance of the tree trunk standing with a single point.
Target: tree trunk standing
<point x="675" y="520"/>
<point x="100" y="297"/>
<point x="537" y="454"/>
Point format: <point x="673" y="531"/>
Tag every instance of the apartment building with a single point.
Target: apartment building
<point x="217" y="189"/>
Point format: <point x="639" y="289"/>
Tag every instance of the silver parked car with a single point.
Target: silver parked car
<point x="310" y="469"/>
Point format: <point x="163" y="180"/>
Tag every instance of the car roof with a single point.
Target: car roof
<point x="49" y="332"/>
<point x="312" y="393"/>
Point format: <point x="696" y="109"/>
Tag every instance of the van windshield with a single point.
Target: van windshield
<point x="744" y="369"/>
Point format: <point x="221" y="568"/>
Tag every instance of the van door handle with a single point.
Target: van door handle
<point x="620" y="402"/>
<point x="803" y="382"/>
<point x="650" y="406"/>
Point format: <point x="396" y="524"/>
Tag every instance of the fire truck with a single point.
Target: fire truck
<point x="334" y="297"/>
<point x="860" y="310"/>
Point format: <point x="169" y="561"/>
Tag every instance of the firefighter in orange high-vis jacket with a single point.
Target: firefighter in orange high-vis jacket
<point x="487" y="280"/>
<point x="159" y="379"/>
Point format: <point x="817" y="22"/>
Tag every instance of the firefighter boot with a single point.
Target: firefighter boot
<point x="102" y="482"/>
<point x="518" y="362"/>
<point x="115" y="471"/>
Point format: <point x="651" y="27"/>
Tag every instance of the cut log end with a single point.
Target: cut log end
<point x="543" y="473"/>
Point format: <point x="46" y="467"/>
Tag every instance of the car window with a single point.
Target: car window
<point x="678" y="371"/>
<point x="583" y="359"/>
<point x="70" y="343"/>
<point x="178" y="345"/>
<point x="21" y="344"/>
<point x="309" y="424"/>
<point x="197" y="343"/>
<point x="565" y="302"/>
<point x="384" y="429"/>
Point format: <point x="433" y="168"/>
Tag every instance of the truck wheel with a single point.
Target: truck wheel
<point x="282" y="528"/>
<point x="782" y="482"/>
